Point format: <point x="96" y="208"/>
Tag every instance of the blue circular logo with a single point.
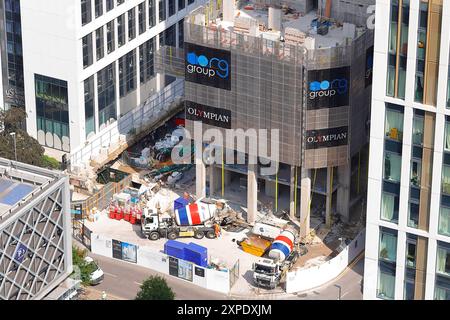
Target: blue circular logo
<point x="314" y="86"/>
<point x="192" y="58"/>
<point x="325" y="85"/>
<point x="202" y="60"/>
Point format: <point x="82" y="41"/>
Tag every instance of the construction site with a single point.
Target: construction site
<point x="300" y="67"/>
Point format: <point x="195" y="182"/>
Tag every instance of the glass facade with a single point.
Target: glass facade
<point x="14" y="55"/>
<point x="110" y="41"/>
<point x="89" y="113"/>
<point x="398" y="48"/>
<point x="444" y="212"/>
<point x="121" y="30"/>
<point x="392" y="163"/>
<point x="127" y="73"/>
<point x="428" y="47"/>
<point x="131" y="24"/>
<point x="99" y="42"/>
<point x="442" y="284"/>
<point x="151" y="13"/>
<point x="387" y="263"/>
<point x="141" y="18"/>
<point x="86" y="12"/>
<point x="88" y="56"/>
<point x="146" y="60"/>
<point x="162" y="10"/>
<point x="106" y="88"/>
<point x="52" y="110"/>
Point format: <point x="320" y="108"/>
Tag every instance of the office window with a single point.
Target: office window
<point x="442" y="288"/>
<point x="109" y="5"/>
<point x="87" y="50"/>
<point x="389" y="206"/>
<point x="394" y="125"/>
<point x="447" y="136"/>
<point x="398" y="48"/>
<point x="106" y="88"/>
<point x="151" y="13"/>
<point x="181" y="4"/>
<point x="428" y="48"/>
<point x="388" y="245"/>
<point x="387" y="265"/>
<point x="98" y="8"/>
<point x="146" y="60"/>
<point x="110" y="35"/>
<point x="443" y="260"/>
<point x="52" y="111"/>
<point x="162" y="10"/>
<point x="99" y="40"/>
<point x="121" y="30"/>
<point x="191" y="2"/>
<point x="89" y="113"/>
<point x="444" y="221"/>
<point x="417" y="137"/>
<point x="127" y="73"/>
<point x="131" y="24"/>
<point x="141" y="18"/>
<point x="416" y="171"/>
<point x="413" y="214"/>
<point x="392" y="166"/>
<point x="86" y="12"/>
<point x="171" y="7"/>
<point x="119" y="2"/>
<point x="446" y="180"/>
<point x="170" y="36"/>
<point x="181" y="33"/>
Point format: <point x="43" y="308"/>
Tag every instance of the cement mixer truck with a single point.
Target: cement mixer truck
<point x="196" y="220"/>
<point x="268" y="272"/>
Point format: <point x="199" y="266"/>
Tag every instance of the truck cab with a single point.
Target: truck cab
<point x="266" y="273"/>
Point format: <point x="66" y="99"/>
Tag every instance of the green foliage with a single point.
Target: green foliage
<point x="80" y="265"/>
<point x="28" y="149"/>
<point x="50" y="162"/>
<point x="155" y="288"/>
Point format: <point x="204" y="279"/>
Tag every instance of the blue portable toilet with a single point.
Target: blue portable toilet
<point x="175" y="249"/>
<point x="196" y="254"/>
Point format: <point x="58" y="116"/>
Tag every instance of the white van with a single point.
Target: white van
<point x="97" y="276"/>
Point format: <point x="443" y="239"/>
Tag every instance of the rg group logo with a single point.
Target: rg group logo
<point x="208" y="66"/>
<point x="327" y="88"/>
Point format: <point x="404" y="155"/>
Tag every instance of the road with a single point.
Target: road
<point x="123" y="280"/>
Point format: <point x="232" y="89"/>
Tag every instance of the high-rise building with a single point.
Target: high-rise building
<point x="408" y="215"/>
<point x="35" y="231"/>
<point x="86" y="63"/>
<point x="292" y="77"/>
<point x="11" y="79"/>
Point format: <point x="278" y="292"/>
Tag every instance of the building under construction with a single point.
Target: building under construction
<point x="302" y="67"/>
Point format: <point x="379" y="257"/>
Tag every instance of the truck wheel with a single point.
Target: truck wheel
<point x="154" y="236"/>
<point x="199" y="235"/>
<point x="172" y="235"/>
<point x="210" y="234"/>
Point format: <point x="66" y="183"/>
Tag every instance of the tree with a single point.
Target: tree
<point x="82" y="269"/>
<point x="28" y="149"/>
<point x="155" y="288"/>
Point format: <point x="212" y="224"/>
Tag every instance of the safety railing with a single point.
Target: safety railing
<point x="130" y="123"/>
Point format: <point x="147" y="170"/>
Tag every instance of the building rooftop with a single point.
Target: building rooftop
<point x="20" y="182"/>
<point x="287" y="23"/>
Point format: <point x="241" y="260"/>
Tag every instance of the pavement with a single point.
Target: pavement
<point x="123" y="279"/>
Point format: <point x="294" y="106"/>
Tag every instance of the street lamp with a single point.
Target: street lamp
<point x="13" y="134"/>
<point x="339" y="287"/>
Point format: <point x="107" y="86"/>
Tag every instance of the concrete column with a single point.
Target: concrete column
<point x="293" y="194"/>
<point x="215" y="180"/>
<point x="343" y="192"/>
<point x="200" y="178"/>
<point x="329" y="197"/>
<point x="252" y="194"/>
<point x="305" y="200"/>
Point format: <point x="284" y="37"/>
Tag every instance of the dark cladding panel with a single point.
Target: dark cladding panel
<point x="208" y="66"/>
<point x="208" y="115"/>
<point x="328" y="88"/>
<point x="326" y="138"/>
<point x="369" y="67"/>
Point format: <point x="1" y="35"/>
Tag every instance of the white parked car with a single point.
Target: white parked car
<point x="97" y="275"/>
